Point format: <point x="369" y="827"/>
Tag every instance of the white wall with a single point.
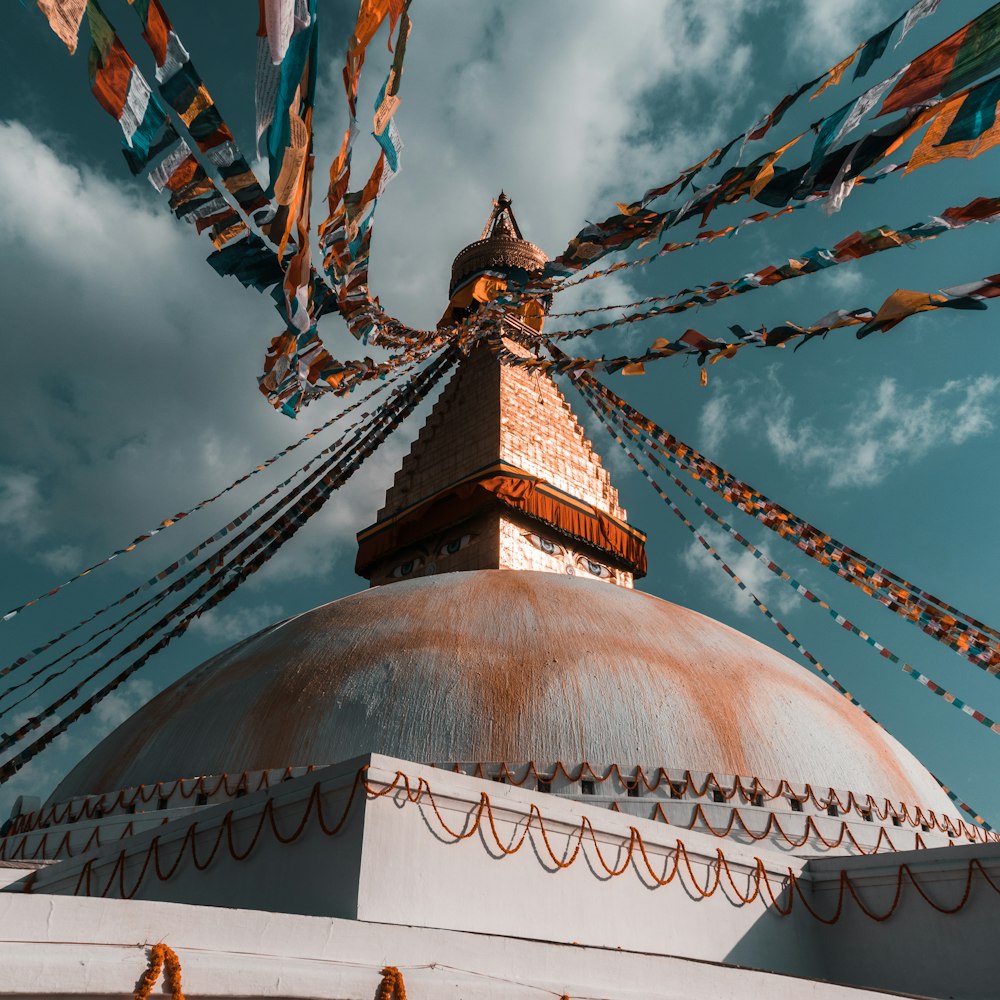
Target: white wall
<point x="393" y="863"/>
<point x="98" y="948"/>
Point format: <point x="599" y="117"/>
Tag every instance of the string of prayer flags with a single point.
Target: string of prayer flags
<point x="951" y="65"/>
<point x="965" y="126"/>
<point x="225" y="580"/>
<point x="64" y="17"/>
<point x="965" y="635"/>
<point x="238" y="250"/>
<point x="171" y="521"/>
<point x="582" y="250"/>
<point x="297" y="365"/>
<point x="897" y="307"/>
<point x="967" y="809"/>
<point x="345" y="235"/>
<point x="119" y="86"/>
<point x="180" y="584"/>
<point x="832" y="171"/>
<point x="609" y="416"/>
<point x="856" y="246"/>
<point x="949" y="698"/>
<point x="183" y="88"/>
<point x="871" y="50"/>
<point x="710" y="549"/>
<point x="336" y="449"/>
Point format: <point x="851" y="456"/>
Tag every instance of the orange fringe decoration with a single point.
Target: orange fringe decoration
<point x="160" y="956"/>
<point x="392" y="985"/>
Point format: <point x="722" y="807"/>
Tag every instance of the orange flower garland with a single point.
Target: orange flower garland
<point x="392" y="986"/>
<point x="162" y="958"/>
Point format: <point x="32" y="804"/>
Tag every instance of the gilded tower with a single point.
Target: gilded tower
<point x="501" y="475"/>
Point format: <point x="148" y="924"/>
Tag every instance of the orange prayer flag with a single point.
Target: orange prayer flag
<point x="703" y="377"/>
<point x="64" y="17"/>
<point x="930" y="152"/>
<point x="627" y="209"/>
<point x="834" y="76"/>
<point x="767" y="171"/>
<point x="903" y="303"/>
<point x="925" y="75"/>
<point x="370" y="17"/>
<point x="662" y="346"/>
<point x="636" y="368"/>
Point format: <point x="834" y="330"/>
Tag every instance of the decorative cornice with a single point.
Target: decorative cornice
<point x="496" y="252"/>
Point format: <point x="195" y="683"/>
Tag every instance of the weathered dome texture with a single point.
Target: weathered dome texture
<point x="505" y="666"/>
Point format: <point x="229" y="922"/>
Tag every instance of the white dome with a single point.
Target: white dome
<point x="497" y="665"/>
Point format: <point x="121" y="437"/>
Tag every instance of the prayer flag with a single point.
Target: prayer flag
<point x="955" y="130"/>
<point x="874" y="49"/>
<point x="971" y="52"/>
<point x="64" y="17"/>
<point x="119" y="86"/>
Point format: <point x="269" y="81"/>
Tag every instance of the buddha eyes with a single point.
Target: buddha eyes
<point x="426" y="562"/>
<point x="574" y="563"/>
<point x="550" y="548"/>
<point x="407" y="568"/>
<point x="594" y="568"/>
<point x="455" y="545"/>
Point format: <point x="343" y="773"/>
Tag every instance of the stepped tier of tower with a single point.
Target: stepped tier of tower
<point x="495" y="426"/>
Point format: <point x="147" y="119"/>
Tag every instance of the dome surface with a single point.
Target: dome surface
<point x="497" y="665"/>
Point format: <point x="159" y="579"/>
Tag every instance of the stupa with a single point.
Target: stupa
<point x="500" y="769"/>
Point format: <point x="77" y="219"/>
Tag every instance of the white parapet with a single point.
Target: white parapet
<point x="385" y="841"/>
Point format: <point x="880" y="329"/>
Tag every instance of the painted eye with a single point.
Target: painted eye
<point x="407" y="568"/>
<point x="455" y="545"/>
<point x="595" y="568"/>
<point x="550" y="548"/>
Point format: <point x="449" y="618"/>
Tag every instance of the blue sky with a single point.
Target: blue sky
<point x="131" y="394"/>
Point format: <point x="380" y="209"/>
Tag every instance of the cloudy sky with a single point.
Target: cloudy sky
<point x="130" y="366"/>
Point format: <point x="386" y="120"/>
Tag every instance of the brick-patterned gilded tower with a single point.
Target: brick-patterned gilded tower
<point x="501" y="476"/>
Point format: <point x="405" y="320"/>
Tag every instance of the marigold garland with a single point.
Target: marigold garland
<point x="683" y="780"/>
<point x="162" y="958"/>
<point x="677" y="865"/>
<point x="392" y="986"/>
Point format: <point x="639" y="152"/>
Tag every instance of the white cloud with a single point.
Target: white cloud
<point x="833" y="27"/>
<point x="63" y="559"/>
<point x="715" y="419"/>
<point x="888" y="428"/>
<point x="230" y="626"/>
<point x="845" y="281"/>
<point x="558" y="113"/>
<point x="121" y="704"/>
<point x="20" y="505"/>
<point x="774" y="593"/>
<point x="174" y="349"/>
